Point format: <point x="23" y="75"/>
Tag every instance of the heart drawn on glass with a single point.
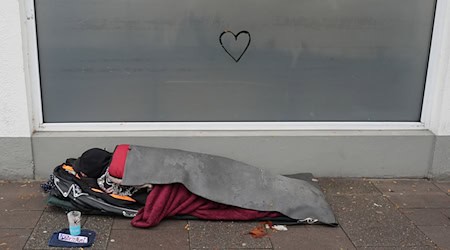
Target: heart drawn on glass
<point x="235" y="39"/>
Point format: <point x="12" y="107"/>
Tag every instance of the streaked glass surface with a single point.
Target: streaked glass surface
<point x="161" y="60"/>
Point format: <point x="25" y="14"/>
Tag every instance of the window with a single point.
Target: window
<point x="162" y="60"/>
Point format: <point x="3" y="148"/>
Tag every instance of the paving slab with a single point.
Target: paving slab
<point x="48" y="223"/>
<point x="438" y="234"/>
<point x="444" y="186"/>
<point x="446" y="212"/>
<point x="430" y="200"/>
<point x="311" y="237"/>
<point x="19" y="219"/>
<point x="101" y="225"/>
<point x="374" y="221"/>
<point x="21" y="196"/>
<point x="400" y="248"/>
<point x="165" y="237"/>
<point x="427" y="217"/>
<point x="347" y="186"/>
<point x="224" y="235"/>
<point x="406" y="186"/>
<point x="124" y="223"/>
<point x="55" y="209"/>
<point x="14" y="238"/>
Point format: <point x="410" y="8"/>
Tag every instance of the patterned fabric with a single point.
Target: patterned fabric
<point x="112" y="186"/>
<point x="49" y="185"/>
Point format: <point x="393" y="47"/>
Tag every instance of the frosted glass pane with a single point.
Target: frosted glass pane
<point x="161" y="60"/>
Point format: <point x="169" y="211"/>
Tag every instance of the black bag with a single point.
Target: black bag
<point x="80" y="193"/>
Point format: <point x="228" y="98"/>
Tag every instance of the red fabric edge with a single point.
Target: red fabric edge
<point x="117" y="166"/>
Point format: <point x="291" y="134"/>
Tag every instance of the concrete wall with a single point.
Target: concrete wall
<point x="15" y="130"/>
<point x="16" y="161"/>
<point x="323" y="153"/>
<point x="441" y="158"/>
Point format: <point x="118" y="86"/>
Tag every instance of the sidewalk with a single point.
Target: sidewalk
<point x="373" y="214"/>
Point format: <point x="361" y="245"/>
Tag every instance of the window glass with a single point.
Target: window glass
<point x="164" y="60"/>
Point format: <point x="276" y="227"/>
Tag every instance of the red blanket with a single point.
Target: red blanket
<point x="174" y="199"/>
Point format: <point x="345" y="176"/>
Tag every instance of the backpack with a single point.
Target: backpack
<point x="85" y="196"/>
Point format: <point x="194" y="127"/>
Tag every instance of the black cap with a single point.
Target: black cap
<point x="93" y="162"/>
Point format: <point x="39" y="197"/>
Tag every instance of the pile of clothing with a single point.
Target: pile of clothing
<point x="150" y="184"/>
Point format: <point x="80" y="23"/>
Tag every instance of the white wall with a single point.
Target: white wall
<point x="14" y="115"/>
<point x="436" y="110"/>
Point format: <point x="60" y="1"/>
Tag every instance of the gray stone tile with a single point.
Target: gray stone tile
<point x="150" y="238"/>
<point x="55" y="209"/>
<point x="427" y="217"/>
<point x="430" y="200"/>
<point x="347" y="186"/>
<point x="21" y="196"/>
<point x="47" y="224"/>
<point x="444" y="186"/>
<point x="401" y="248"/>
<point x="446" y="212"/>
<point x="219" y="235"/>
<point x="374" y="221"/>
<point x="19" y="219"/>
<point x="101" y="225"/>
<point x="438" y="234"/>
<point x="13" y="238"/>
<point x="311" y="237"/>
<point x="124" y="223"/>
<point x="405" y="186"/>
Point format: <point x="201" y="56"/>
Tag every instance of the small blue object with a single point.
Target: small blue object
<point x="55" y="242"/>
<point x="75" y="230"/>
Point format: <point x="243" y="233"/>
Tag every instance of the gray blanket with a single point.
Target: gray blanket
<point x="229" y="182"/>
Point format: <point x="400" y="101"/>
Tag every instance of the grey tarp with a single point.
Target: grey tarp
<point x="227" y="181"/>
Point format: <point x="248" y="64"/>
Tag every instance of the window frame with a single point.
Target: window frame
<point x="433" y="85"/>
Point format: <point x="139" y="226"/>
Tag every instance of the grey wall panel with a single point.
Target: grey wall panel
<point x="324" y="153"/>
<point x="161" y="60"/>
<point x="441" y="160"/>
<point x="16" y="158"/>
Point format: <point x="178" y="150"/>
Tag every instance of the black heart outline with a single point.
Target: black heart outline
<point x="235" y="38"/>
